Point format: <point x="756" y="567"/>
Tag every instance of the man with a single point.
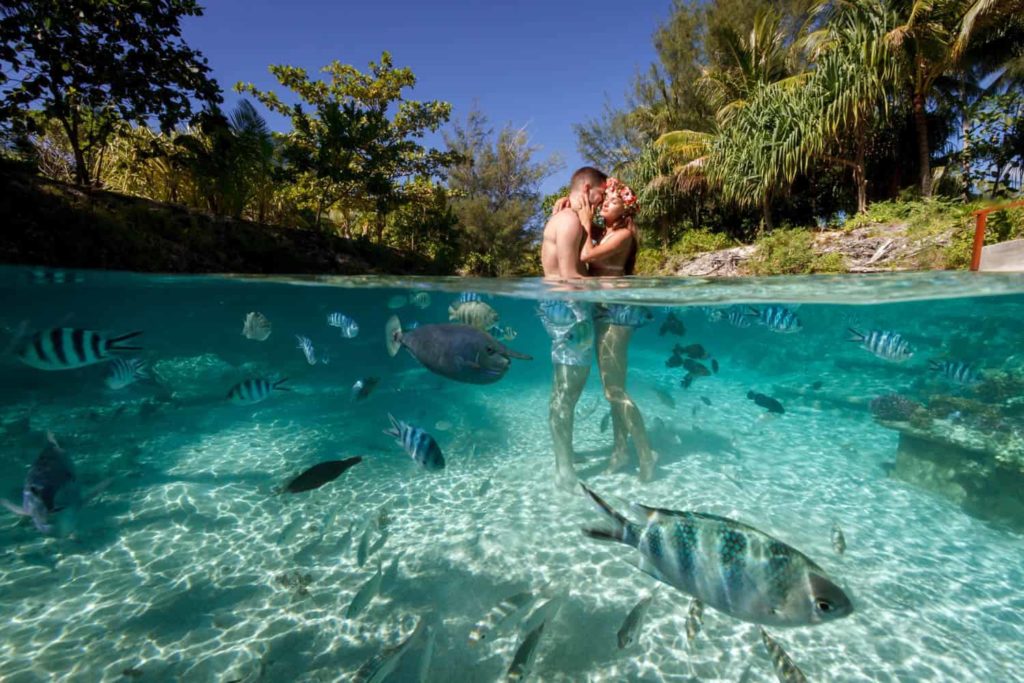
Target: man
<point x="568" y="323"/>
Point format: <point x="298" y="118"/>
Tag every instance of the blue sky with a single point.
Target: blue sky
<point x="543" y="65"/>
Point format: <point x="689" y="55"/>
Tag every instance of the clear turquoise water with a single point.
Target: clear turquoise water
<point x="183" y="568"/>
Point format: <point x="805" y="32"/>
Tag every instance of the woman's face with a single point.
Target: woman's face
<point x="612" y="208"/>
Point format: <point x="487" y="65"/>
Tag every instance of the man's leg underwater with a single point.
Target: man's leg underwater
<point x="566" y="387"/>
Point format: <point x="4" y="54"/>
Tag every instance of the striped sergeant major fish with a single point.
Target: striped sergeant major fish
<point x="737" y="318"/>
<point x="727" y="565"/>
<point x="884" y="344"/>
<point x="777" y="319"/>
<point x="420" y="446"/>
<point x="306" y="346"/>
<point x="250" y="391"/>
<point x="67" y="348"/>
<point x="785" y="670"/>
<point x="506" y="612"/>
<point x="468" y="296"/>
<point x="126" y="371"/>
<point x="957" y="371"/>
<point x="349" y="328"/>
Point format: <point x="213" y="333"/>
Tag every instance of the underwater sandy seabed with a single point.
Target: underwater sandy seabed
<point x="190" y="568"/>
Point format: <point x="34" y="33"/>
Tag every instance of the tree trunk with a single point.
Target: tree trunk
<point x="381" y="221"/>
<point x="923" y="151"/>
<point x="859" y="176"/>
<point x="965" y="132"/>
<point x="766" y="213"/>
<point x="663" y="230"/>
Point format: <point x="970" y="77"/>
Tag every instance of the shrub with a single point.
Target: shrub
<point x="784" y="252"/>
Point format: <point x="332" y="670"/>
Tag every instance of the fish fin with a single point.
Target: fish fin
<point x="934" y="365"/>
<point x="516" y="354"/>
<point x="621" y="527"/>
<point x="16" y="509"/>
<point x="277" y="385"/>
<point x="856" y="336"/>
<point x="393" y="335"/>
<point x="752" y="312"/>
<point x="116" y="343"/>
<point x="647" y="568"/>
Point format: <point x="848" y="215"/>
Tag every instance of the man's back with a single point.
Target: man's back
<point x="560" y="250"/>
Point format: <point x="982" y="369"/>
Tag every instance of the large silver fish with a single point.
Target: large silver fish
<point x="728" y="565"/>
<point x="384" y="663"/>
<point x="785" y="670"/>
<point x="458" y="352"/>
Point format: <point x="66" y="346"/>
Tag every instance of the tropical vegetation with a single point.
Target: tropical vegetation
<point x="759" y="117"/>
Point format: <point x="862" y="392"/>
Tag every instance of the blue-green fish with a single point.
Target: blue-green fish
<point x="728" y="565"/>
<point x="958" y="371"/>
<point x="785" y="670"/>
<point x="884" y="344"/>
<point x="777" y="319"/>
<point x="66" y="348"/>
<point x="420" y="445"/>
<point x="251" y="391"/>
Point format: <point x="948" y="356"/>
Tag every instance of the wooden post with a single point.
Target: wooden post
<point x="979" y="239"/>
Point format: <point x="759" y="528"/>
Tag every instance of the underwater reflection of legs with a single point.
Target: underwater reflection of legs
<point x="612" y="349"/>
<point x="566" y="387"/>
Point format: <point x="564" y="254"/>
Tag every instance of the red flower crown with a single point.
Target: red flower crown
<point x="623" y="191"/>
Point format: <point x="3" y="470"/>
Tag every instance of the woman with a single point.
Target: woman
<point x="613" y="254"/>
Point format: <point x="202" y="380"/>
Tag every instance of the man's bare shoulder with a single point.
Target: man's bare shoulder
<point x="564" y="222"/>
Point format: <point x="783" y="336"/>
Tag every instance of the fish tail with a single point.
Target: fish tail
<point x="934" y="365"/>
<point x="117" y="343"/>
<point x="855" y="335"/>
<point x="277" y="385"/>
<point x="622" y="529"/>
<point x="393" y="335"/>
<point x="396" y="429"/>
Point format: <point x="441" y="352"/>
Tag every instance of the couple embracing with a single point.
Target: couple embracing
<point x="574" y="247"/>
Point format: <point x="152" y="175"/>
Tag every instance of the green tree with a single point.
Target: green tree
<point x="90" y="64"/>
<point x="496" y="194"/>
<point x="356" y="138"/>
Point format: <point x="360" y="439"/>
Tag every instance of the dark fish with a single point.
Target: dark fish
<point x="777" y="319"/>
<point x="687" y="380"/>
<point x="364" y="387"/>
<point x="672" y="325"/>
<point x="692" y="351"/>
<point x="458" y="352"/>
<point x="51" y="487"/>
<point x="693" y="411"/>
<point x="66" y="348"/>
<point x="714" y="366"/>
<point x="817" y="385"/>
<point x="674" y="361"/>
<point x="320" y="474"/>
<point x="727" y="565"/>
<point x="957" y="371"/>
<point x="605" y="421"/>
<point x="250" y="391"/>
<point x="884" y="344"/>
<point x="696" y="369"/>
<point x="705" y="400"/>
<point x="768" y="402"/>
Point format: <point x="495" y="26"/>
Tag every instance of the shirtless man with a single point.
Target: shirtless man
<point x="568" y="323"/>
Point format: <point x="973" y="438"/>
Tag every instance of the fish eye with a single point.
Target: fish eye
<point x="490" y="350"/>
<point x="823" y="606"/>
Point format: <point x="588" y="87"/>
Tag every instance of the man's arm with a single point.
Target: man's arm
<point x="568" y="232"/>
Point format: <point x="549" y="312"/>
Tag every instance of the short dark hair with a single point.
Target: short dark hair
<point x="587" y="174"/>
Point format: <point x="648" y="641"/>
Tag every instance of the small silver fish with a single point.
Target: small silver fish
<point x="785" y="670"/>
<point x="383" y="664"/>
<point x="507" y="611"/>
<point x="484" y="488"/>
<point x="542" y="613"/>
<point x="363" y="548"/>
<point x="397" y="301"/>
<point x="665" y="397"/>
<point x="630" y="628"/>
<point x="346" y="542"/>
<point x="583" y="412"/>
<point x="291" y="532"/>
<point x="838" y="540"/>
<point x="256" y="327"/>
<point x="526" y="656"/>
<point x="365" y="594"/>
<point x="694" y="619"/>
<point x="391" y="574"/>
<point x="379" y="543"/>
<point x="306" y="346"/>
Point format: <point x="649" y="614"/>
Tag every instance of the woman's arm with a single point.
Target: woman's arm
<point x="618" y="241"/>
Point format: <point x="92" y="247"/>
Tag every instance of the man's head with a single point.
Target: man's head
<point x="588" y="178"/>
